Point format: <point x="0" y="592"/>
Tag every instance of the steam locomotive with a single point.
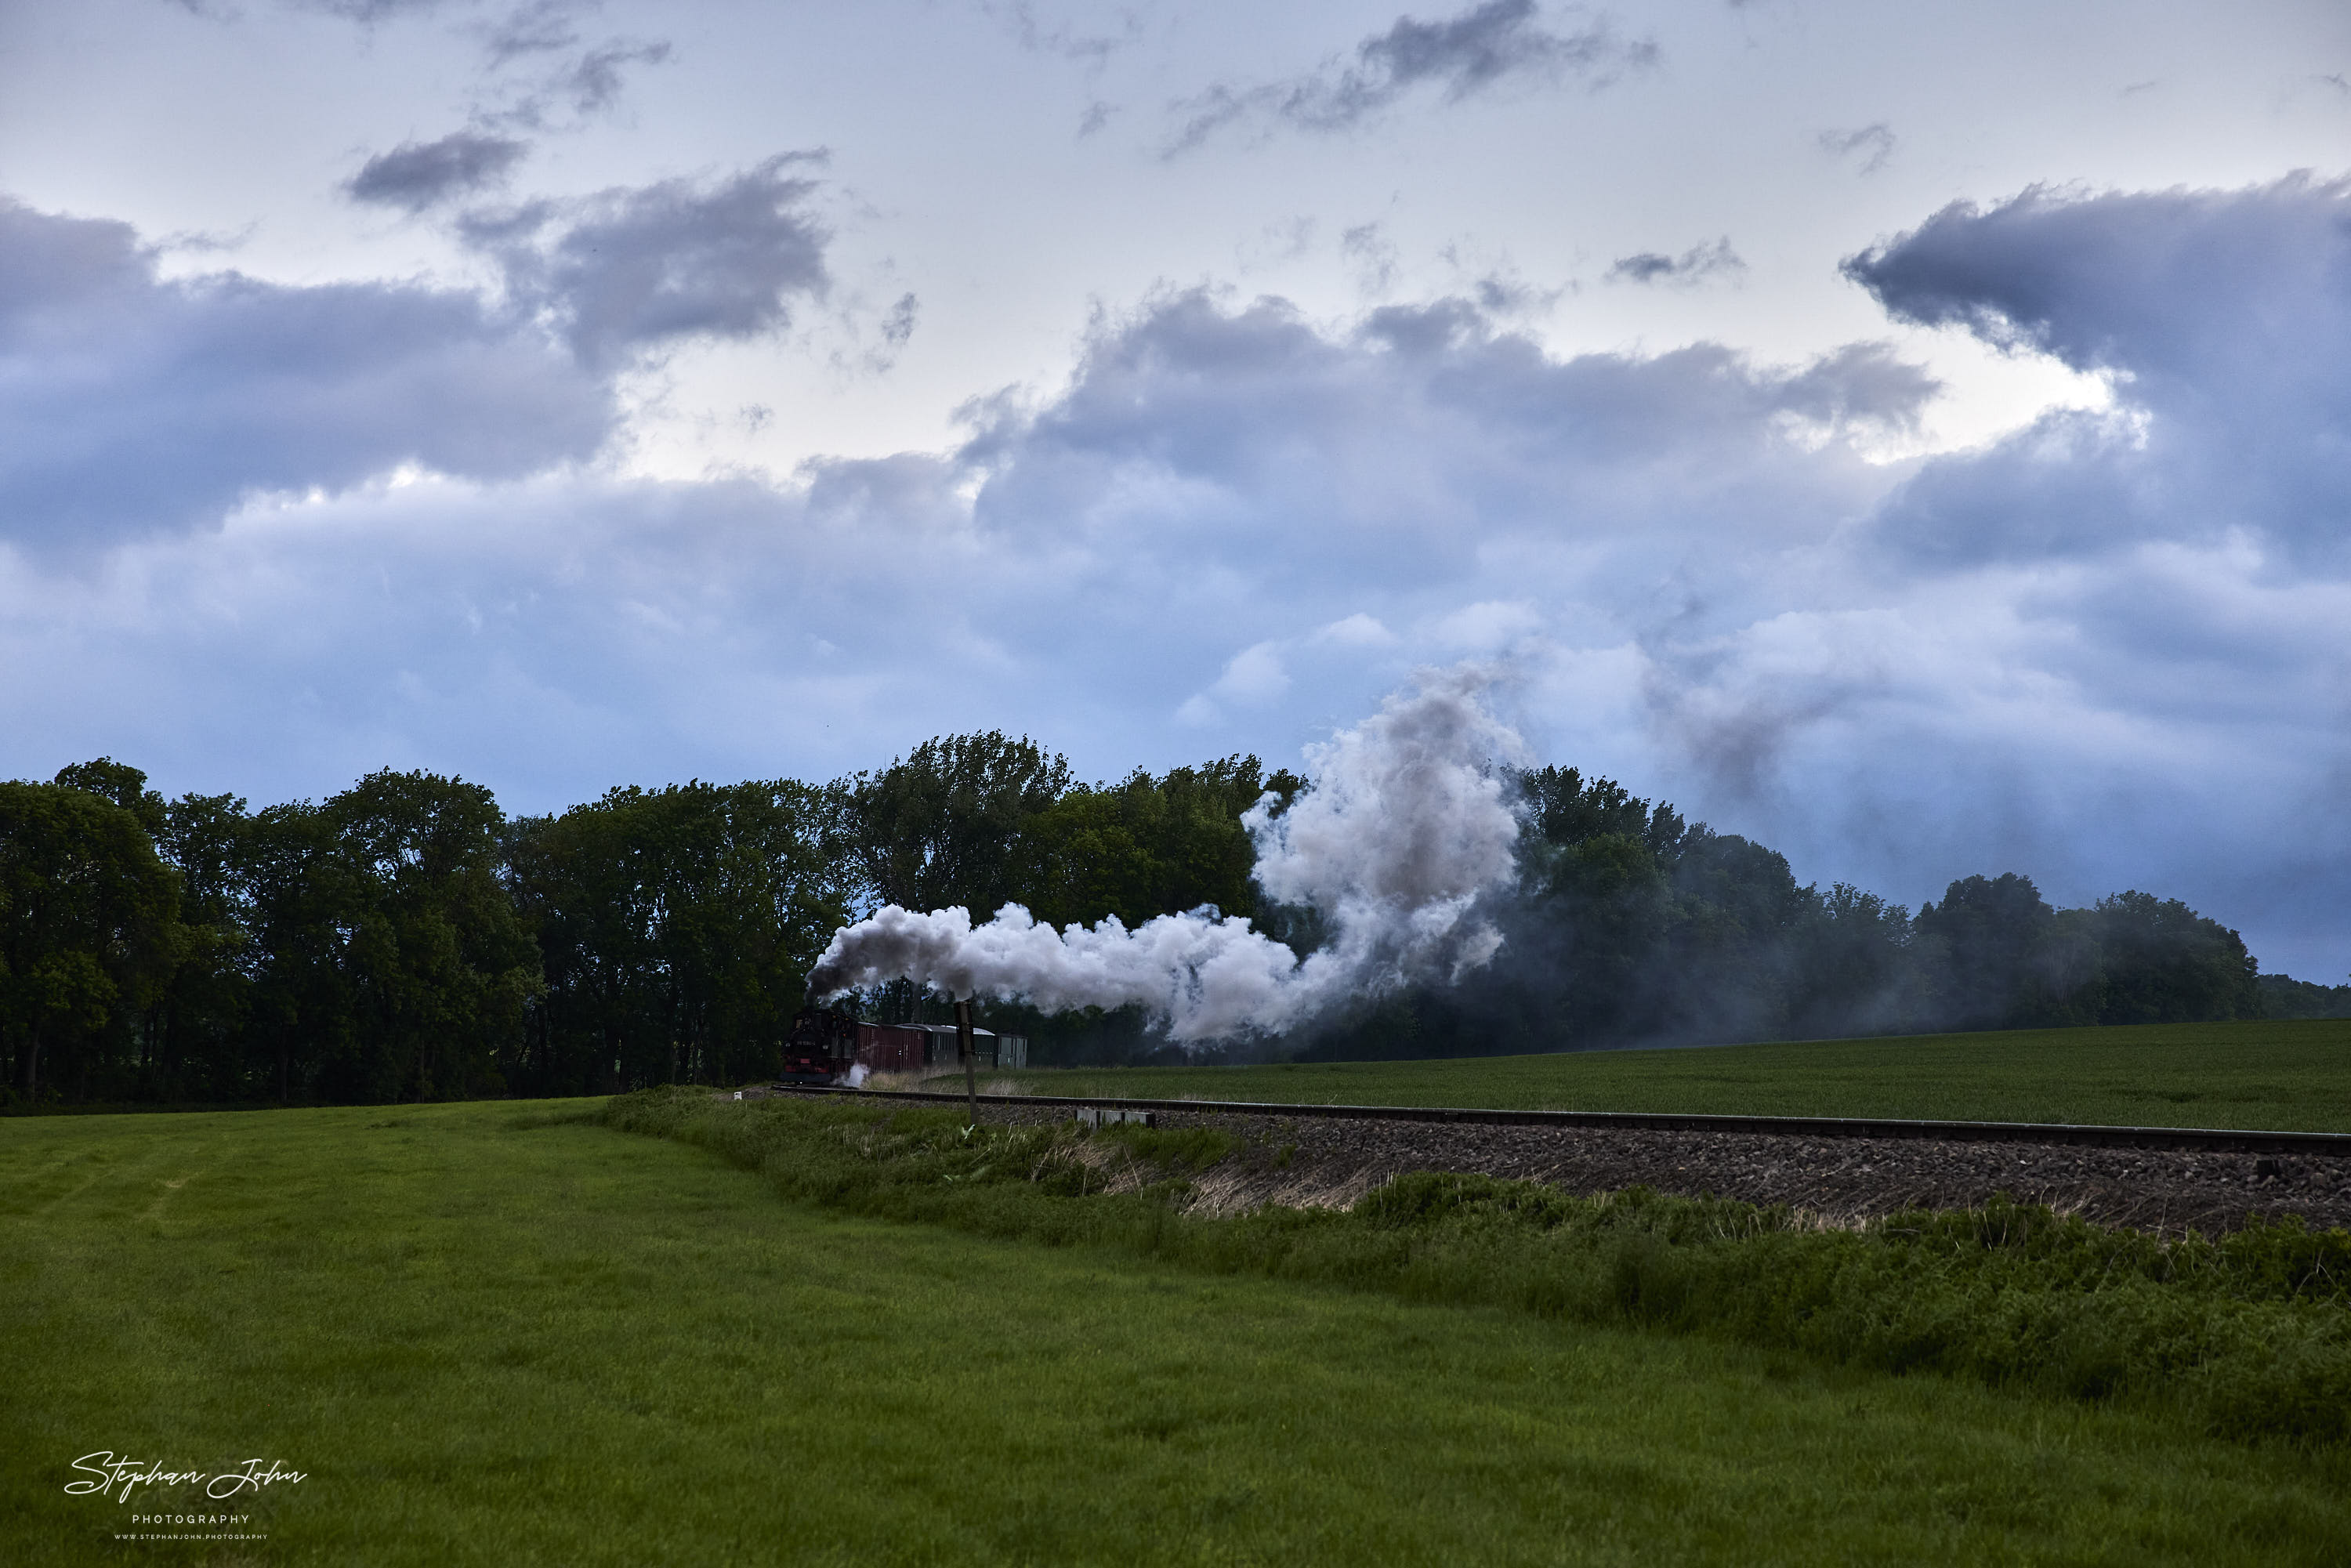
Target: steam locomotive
<point x="821" y="1047"/>
<point x="827" y="1044"/>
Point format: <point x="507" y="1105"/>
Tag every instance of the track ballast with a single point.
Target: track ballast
<point x="2216" y="1140"/>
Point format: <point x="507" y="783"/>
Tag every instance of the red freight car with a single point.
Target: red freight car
<point x="893" y="1047"/>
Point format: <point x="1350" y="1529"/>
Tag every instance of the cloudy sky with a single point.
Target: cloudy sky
<point x="1916" y="437"/>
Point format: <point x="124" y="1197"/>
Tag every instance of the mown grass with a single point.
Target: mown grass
<point x="501" y="1336"/>
<point x="2290" y="1075"/>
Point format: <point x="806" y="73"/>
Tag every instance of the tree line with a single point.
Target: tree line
<point x="406" y="940"/>
<point x="1634" y="926"/>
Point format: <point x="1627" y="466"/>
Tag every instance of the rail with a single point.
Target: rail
<point x="2219" y="1140"/>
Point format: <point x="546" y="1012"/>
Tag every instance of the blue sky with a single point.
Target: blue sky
<point x="1916" y="437"/>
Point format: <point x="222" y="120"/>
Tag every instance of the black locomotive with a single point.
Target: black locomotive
<point x="821" y="1047"/>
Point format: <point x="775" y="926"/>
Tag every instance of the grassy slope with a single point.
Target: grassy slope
<point x="489" y="1343"/>
<point x="2278" y="1075"/>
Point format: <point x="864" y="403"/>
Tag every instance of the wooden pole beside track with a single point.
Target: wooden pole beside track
<point x="970" y="1058"/>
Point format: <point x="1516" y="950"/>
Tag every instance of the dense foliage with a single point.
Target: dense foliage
<point x="2246" y="1335"/>
<point x="1635" y="926"/>
<point x="404" y="939"/>
<point x="2283" y="997"/>
<point x="675" y="930"/>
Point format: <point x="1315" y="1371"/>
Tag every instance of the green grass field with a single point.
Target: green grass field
<point x="486" y="1335"/>
<point x="2293" y="1075"/>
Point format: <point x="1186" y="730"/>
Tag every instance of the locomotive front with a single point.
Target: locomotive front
<point x="822" y="1046"/>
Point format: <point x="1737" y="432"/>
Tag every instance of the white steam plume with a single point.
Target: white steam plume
<point x="1405" y="829"/>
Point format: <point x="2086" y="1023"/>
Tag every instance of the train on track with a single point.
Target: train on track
<point x="829" y="1045"/>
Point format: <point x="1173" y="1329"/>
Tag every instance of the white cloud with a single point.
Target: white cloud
<point x="1254" y="676"/>
<point x="1357" y="631"/>
<point x="1490" y="626"/>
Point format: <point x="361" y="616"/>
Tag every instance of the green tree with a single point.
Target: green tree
<point x="199" y="1025"/>
<point x="2283" y="997"/>
<point x="1563" y="809"/>
<point x="745" y="901"/>
<point x="88" y="928"/>
<point x="2158" y="961"/>
<point x="1734" y="940"/>
<point x="1857" y="969"/>
<point x="436" y="961"/>
<point x="306" y="901"/>
<point x="390" y="962"/>
<point x="941" y="825"/>
<point x="579" y="881"/>
<point x="1148" y="846"/>
<point x="1996" y="955"/>
<point x="679" y="927"/>
<point x="120" y="782"/>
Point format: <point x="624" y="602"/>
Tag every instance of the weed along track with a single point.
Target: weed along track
<point x="2163" y="1179"/>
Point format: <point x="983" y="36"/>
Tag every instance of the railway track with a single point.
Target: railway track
<point x="2218" y="1140"/>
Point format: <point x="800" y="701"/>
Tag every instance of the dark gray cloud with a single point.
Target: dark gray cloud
<point x="589" y="83"/>
<point x="416" y="175"/>
<point x="367" y="12"/>
<point x="1871" y="144"/>
<point x="1398" y="453"/>
<point x="540" y="28"/>
<point x="1089" y="47"/>
<point x="1372" y="255"/>
<point x="636" y="269"/>
<point x="1483" y="49"/>
<point x="1500" y="296"/>
<point x="131" y="405"/>
<point x="592" y="83"/>
<point x="1693" y="267"/>
<point x="1860" y="385"/>
<point x="2221" y="319"/>
<point x="899" y="325"/>
<point x="570" y="78"/>
<point x="895" y="330"/>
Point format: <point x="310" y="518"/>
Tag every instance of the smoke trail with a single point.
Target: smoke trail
<point x="1406" y="828"/>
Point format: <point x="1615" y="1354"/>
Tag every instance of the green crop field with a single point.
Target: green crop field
<point x="496" y="1334"/>
<point x="2276" y="1075"/>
